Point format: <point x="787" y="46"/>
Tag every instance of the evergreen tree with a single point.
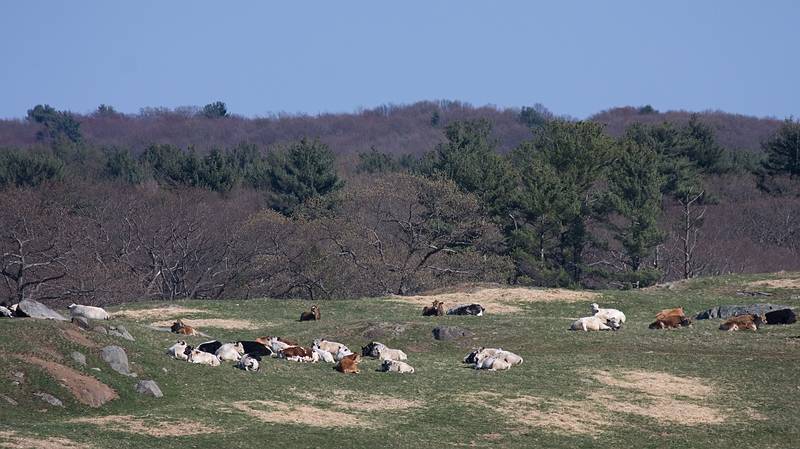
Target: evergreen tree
<point x="783" y="150"/>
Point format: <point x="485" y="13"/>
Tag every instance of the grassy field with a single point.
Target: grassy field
<point x="637" y="388"/>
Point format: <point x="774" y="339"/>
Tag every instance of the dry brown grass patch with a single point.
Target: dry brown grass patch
<point x="76" y="336"/>
<point x="497" y="299"/>
<point x="218" y="323"/>
<point x="149" y="426"/>
<point x="790" y="283"/>
<point x="656" y="383"/>
<point x="157" y="312"/>
<point x="86" y="389"/>
<point x="354" y="400"/>
<point x="10" y="439"/>
<point x="282" y="413"/>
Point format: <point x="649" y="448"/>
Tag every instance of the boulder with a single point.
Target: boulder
<point x="120" y="331"/>
<point x="35" y="309"/>
<point x="100" y="330"/>
<point x="727" y="311"/>
<point x="82" y="322"/>
<point x="79" y="358"/>
<point x="117" y="360"/>
<point x="149" y="388"/>
<point x="450" y="333"/>
<point x="50" y="399"/>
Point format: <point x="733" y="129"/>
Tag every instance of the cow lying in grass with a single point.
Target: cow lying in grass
<point x="494" y="359"/>
<point x="349" y="364"/>
<point x="180" y="351"/>
<point x="671" y="322"/>
<point x="782" y="316"/>
<point x="608" y="314"/>
<point x="204" y="358"/>
<point x="740" y="322"/>
<point x="230" y="352"/>
<point x="666" y="313"/>
<point x="330" y="346"/>
<point x="394" y="366"/>
<point x="593" y="323"/>
<point x="435" y="309"/>
<point x="299" y="354"/>
<point x="467" y="309"/>
<point x="6" y="312"/>
<point x="381" y="351"/>
<point x="249" y="363"/>
<point x="179" y="327"/>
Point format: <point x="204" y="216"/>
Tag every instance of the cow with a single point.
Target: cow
<point x="209" y="346"/>
<point x="6" y="312"/>
<point x="266" y="340"/>
<point x="324" y="355"/>
<point x="435" y="309"/>
<point x="248" y="363"/>
<point x="230" y="352"/>
<point x="782" y="316"/>
<point x="670" y="322"/>
<point x="593" y="323"/>
<point x="678" y="312"/>
<point x="179" y="350"/>
<point x="386" y="353"/>
<point x="255" y="348"/>
<point x="509" y="357"/>
<point x="179" y="328"/>
<point x="299" y="354"/>
<point x="493" y="363"/>
<point x="473" y="356"/>
<point x="395" y="366"/>
<point x="313" y="315"/>
<point x="371" y="350"/>
<point x="88" y="312"/>
<point x="467" y="309"/>
<point x="330" y="346"/>
<point x="342" y="353"/>
<point x="203" y="358"/>
<point x="608" y="314"/>
<point x="348" y="364"/>
<point x="277" y="346"/>
<point x="741" y="322"/>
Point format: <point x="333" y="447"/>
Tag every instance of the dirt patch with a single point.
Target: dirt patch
<point x="354" y="400"/>
<point x="777" y="283"/>
<point x="657" y="384"/>
<point x="76" y="336"/>
<point x="86" y="389"/>
<point x="213" y="322"/>
<point x="660" y="396"/>
<point x="149" y="426"/>
<point x="158" y="312"/>
<point x="282" y="413"/>
<point x="498" y="299"/>
<point x="10" y="439"/>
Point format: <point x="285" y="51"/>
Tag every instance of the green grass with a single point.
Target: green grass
<point x="755" y="371"/>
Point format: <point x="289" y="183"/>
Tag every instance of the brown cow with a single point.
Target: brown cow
<point x="436" y="309"/>
<point x="738" y="322"/>
<point x="179" y="328"/>
<point x="677" y="312"/>
<point x="313" y="315"/>
<point x="349" y="364"/>
<point x="296" y="351"/>
<point x="671" y="322"/>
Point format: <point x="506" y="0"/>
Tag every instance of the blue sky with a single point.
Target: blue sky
<point x="575" y="57"/>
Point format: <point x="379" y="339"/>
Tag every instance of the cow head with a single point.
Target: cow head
<point x="686" y="322"/>
<point x="759" y="320"/>
<point x="613" y="323"/>
<point x="595" y="308"/>
<point x="371" y="350"/>
<point x="239" y="347"/>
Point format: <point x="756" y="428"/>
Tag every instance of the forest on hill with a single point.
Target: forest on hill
<point x="199" y="203"/>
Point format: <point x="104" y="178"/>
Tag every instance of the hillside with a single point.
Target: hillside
<point x="396" y="129"/>
<point x="692" y="387"/>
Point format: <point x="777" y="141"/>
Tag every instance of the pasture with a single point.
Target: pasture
<point x="639" y="388"/>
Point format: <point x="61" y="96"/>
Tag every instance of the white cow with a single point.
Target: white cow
<point x="6" y="312"/>
<point x="590" y="323"/>
<point x="493" y="363"/>
<point x="178" y="350"/>
<point x="230" y="352"/>
<point x="509" y="357"/>
<point x="394" y="366"/>
<point x="88" y="312"/>
<point x="330" y="346"/>
<point x="277" y="346"/>
<point x="386" y="353"/>
<point x="203" y="358"/>
<point x="608" y="314"/>
<point x="248" y="363"/>
<point x="342" y="353"/>
<point x="323" y="355"/>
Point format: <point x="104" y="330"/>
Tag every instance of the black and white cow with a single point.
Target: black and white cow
<point x="467" y="309"/>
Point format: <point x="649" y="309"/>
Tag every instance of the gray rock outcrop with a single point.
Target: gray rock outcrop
<point x="727" y="311"/>
<point x="117" y="360"/>
<point x="35" y="309"/>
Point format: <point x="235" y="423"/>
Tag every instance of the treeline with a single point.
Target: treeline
<point x="567" y="206"/>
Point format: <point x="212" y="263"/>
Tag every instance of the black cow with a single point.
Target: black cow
<point x="783" y="316"/>
<point x="467" y="309"/>
<point x="209" y="346"/>
<point x="254" y="348"/>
